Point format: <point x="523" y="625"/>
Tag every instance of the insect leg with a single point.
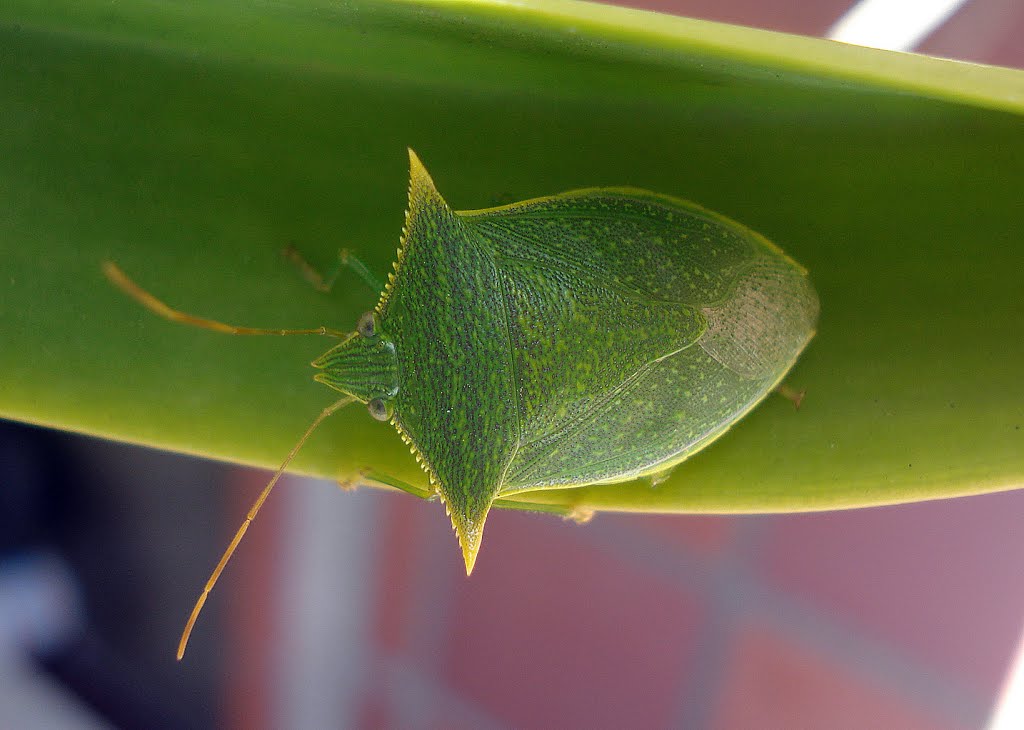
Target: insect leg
<point x="370" y="475"/>
<point x="659" y="476"/>
<point x="794" y="396"/>
<point x="579" y="515"/>
<point x="324" y="283"/>
<point x="551" y="509"/>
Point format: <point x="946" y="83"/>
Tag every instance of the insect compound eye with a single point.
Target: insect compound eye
<point x="378" y="409"/>
<point x="366" y="327"/>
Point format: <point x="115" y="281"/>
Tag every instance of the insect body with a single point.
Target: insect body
<point x="594" y="336"/>
<point x="590" y="337"/>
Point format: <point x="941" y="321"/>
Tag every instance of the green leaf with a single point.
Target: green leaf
<point x="190" y="144"/>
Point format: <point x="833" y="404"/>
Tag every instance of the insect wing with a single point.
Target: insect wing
<point x="642" y="326"/>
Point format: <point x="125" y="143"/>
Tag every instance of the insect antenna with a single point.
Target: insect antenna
<point x="253" y="511"/>
<point x="118" y="278"/>
<point x="121" y="280"/>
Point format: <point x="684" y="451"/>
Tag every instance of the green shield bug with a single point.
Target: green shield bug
<point x="590" y="337"/>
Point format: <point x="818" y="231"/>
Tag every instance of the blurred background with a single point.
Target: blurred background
<point x="353" y="610"/>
